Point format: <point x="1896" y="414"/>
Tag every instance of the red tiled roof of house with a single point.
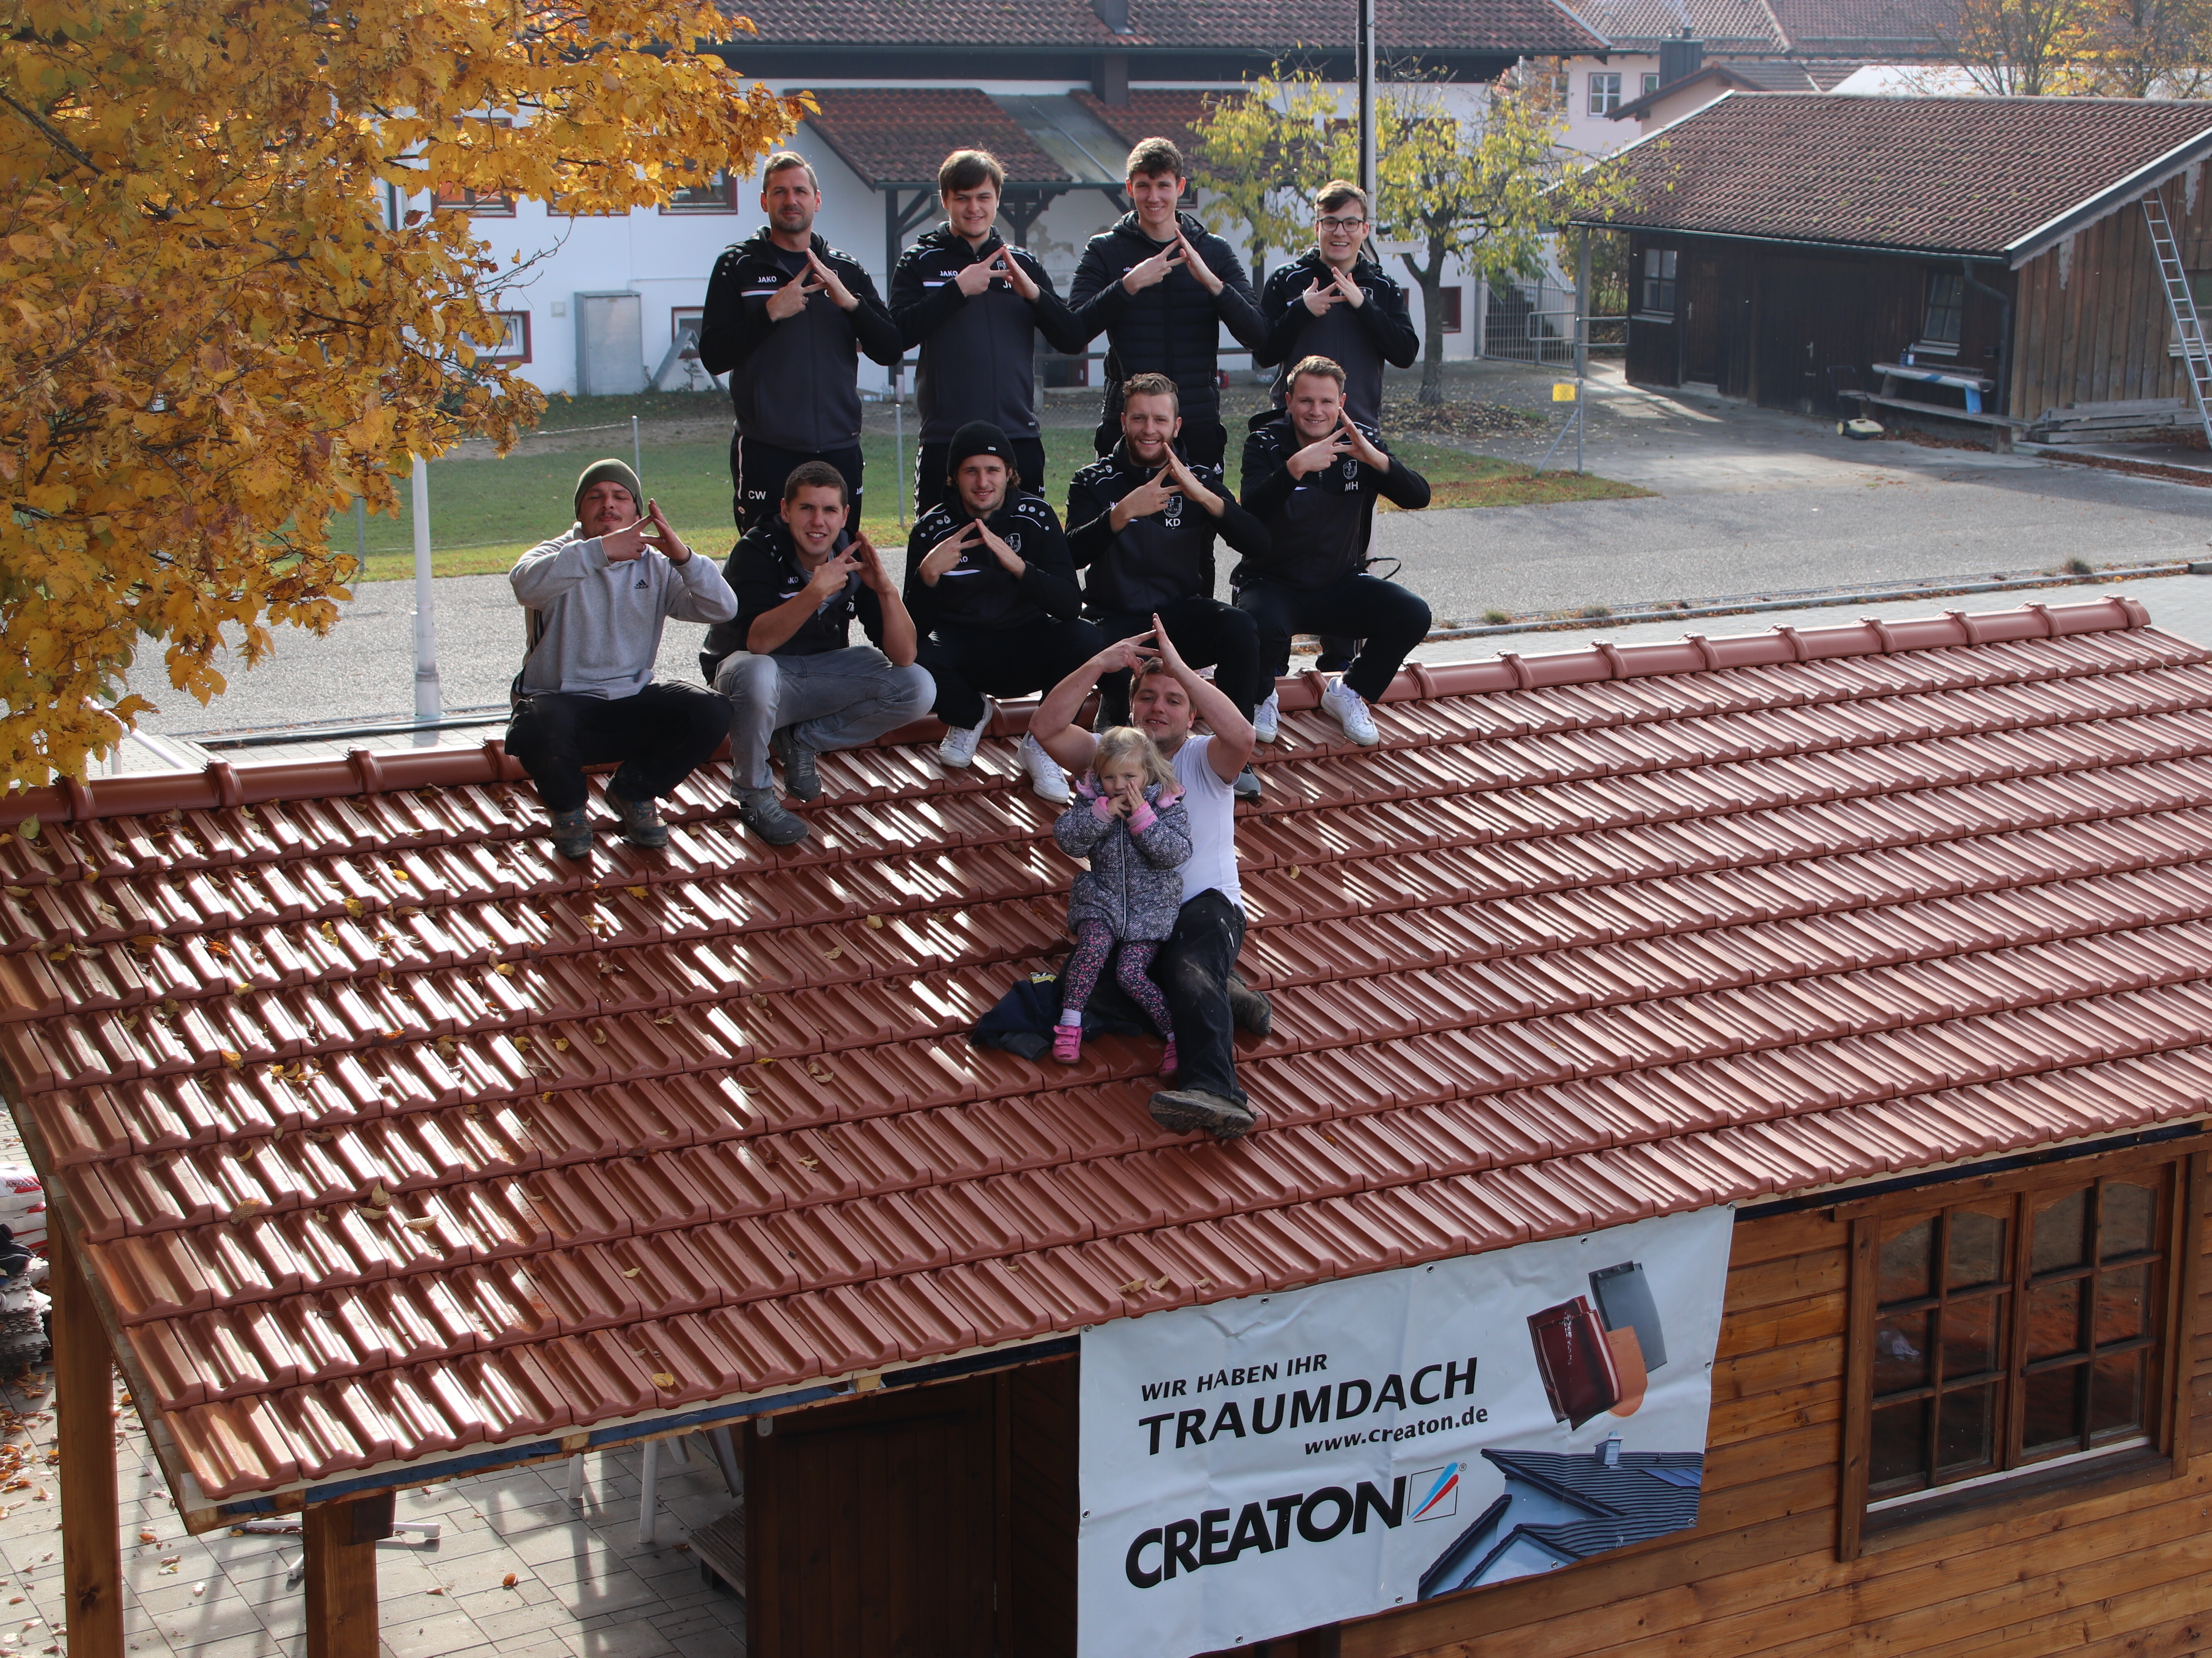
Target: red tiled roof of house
<point x="1957" y="175"/>
<point x="902" y="134"/>
<point x="391" y="1137"/>
<point x="1151" y="114"/>
<point x="1248" y="26"/>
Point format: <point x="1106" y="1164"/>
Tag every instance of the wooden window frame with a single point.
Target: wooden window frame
<point x="1605" y="91"/>
<point x="2031" y="1487"/>
<point x="1930" y="342"/>
<point x="511" y="359"/>
<point x="727" y="205"/>
<point x="454" y="198"/>
<point x="1647" y="284"/>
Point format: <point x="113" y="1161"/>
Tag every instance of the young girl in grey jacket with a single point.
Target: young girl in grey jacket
<point x="1128" y="819"/>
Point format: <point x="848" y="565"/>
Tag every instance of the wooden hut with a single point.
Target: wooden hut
<point x="1832" y="1004"/>
<point x="1962" y="263"/>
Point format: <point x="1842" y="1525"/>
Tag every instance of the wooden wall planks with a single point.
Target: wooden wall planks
<point x="2128" y="1572"/>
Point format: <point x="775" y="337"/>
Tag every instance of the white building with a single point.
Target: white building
<point x="1058" y="89"/>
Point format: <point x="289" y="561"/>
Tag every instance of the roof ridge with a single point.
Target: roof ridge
<point x="225" y="784"/>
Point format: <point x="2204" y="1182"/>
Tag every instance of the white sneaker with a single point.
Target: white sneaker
<point x="1267" y="719"/>
<point x="1350" y="709"/>
<point x="958" y="748"/>
<point x="1047" y="780"/>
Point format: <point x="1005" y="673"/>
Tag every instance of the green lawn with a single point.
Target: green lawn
<point x="483" y="514"/>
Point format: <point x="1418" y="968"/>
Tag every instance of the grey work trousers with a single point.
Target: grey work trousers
<point x="835" y="699"/>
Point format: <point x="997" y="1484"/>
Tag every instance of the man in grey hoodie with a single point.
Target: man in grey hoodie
<point x="598" y="597"/>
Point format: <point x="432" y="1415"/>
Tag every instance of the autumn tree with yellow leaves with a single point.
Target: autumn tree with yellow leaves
<point x="218" y="337"/>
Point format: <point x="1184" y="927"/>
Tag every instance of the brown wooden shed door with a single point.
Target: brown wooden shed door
<point x="934" y="1522"/>
<point x="1701" y="320"/>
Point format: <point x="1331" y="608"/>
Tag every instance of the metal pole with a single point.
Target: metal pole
<point x="1582" y="302"/>
<point x="637" y="456"/>
<point x="425" y="622"/>
<point x="1368" y="178"/>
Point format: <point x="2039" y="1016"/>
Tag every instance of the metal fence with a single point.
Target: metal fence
<point x="1534" y="321"/>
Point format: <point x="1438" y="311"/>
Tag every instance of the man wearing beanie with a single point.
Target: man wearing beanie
<point x="990" y="583"/>
<point x="597" y="597"/>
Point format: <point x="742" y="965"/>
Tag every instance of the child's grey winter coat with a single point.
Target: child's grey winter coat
<point x="1134" y="884"/>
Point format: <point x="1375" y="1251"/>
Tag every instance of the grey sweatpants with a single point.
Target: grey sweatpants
<point x="837" y="698"/>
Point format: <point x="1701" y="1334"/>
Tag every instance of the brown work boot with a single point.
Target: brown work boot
<point x="641" y="821"/>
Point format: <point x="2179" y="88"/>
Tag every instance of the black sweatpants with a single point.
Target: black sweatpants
<point x="757" y="471"/>
<point x="970" y="664"/>
<point x="658" y="736"/>
<point x="1203" y="439"/>
<point x="1208" y="635"/>
<point x="930" y="471"/>
<point x="1386" y="618"/>
<point x="1193" y="968"/>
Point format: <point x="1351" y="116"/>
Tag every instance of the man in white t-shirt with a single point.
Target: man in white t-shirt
<point x="1194" y="966"/>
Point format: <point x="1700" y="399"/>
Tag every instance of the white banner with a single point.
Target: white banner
<point x="1261" y="1466"/>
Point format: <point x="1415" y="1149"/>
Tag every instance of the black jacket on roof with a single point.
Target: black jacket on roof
<point x="1360" y="340"/>
<point x="1157" y="559"/>
<point x="978" y="593"/>
<point x="795" y="383"/>
<point x="978" y="355"/>
<point x="1320" y="525"/>
<point x="764" y="571"/>
<point x="1171" y="328"/>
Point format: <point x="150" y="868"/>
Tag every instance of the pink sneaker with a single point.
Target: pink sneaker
<point x="1067" y="1043"/>
<point x="1168" y="1058"/>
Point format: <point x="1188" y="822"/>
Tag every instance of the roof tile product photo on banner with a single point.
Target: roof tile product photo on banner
<point x="1257" y="1467"/>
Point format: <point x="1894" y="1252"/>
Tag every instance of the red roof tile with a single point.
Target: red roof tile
<point x="388" y="1170"/>
<point x="1988" y="176"/>
<point x="902" y="134"/>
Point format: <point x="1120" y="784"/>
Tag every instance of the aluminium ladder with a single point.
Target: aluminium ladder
<point x="2181" y="304"/>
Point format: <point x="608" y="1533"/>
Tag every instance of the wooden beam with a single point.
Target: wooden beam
<point x="342" y="1539"/>
<point x="84" y="1419"/>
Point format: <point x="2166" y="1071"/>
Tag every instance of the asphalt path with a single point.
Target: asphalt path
<point x="1745" y="502"/>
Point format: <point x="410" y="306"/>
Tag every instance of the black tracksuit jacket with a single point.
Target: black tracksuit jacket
<point x="1381" y="331"/>
<point x="1318" y="527"/>
<point x="978" y="592"/>
<point x="1155" y="560"/>
<point x="1171" y="328"/>
<point x="978" y="355"/>
<point x="794" y="382"/>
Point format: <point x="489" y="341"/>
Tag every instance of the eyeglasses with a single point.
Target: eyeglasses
<point x="1348" y="225"/>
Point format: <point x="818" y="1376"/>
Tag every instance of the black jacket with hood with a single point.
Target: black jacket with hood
<point x="1318" y="527"/>
<point x="794" y="382"/>
<point x="978" y="355"/>
<point x="1157" y="559"/>
<point x="978" y="592"/>
<point x="1171" y="328"/>
<point x="1359" y="340"/>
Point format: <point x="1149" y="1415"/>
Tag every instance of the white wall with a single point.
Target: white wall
<point x="1600" y="135"/>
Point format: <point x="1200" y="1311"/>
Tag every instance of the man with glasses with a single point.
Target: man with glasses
<point x="1334" y="302"/>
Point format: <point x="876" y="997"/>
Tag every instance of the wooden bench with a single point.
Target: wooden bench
<point x="1972" y="384"/>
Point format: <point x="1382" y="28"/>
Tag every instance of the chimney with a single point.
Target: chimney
<point x="1679" y="58"/>
<point x="1608" y="1451"/>
<point x="1115" y="14"/>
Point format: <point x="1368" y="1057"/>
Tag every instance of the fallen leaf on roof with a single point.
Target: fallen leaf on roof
<point x="875" y="921"/>
<point x="422" y="1224"/>
<point x="62" y="954"/>
<point x="1135" y="1286"/>
<point x="664" y="1018"/>
<point x="248" y="1206"/>
<point x="809" y="1163"/>
<point x="833" y="952"/>
<point x="235" y="1062"/>
<point x="634" y="892"/>
<point x="662" y="1379"/>
<point x="239" y="987"/>
<point x="355" y="908"/>
<point x="560" y="1044"/>
<point x="519" y="1039"/>
<point x="505" y="969"/>
<point x="598" y="1037"/>
<point x="378" y="1197"/>
<point x="1293" y="871"/>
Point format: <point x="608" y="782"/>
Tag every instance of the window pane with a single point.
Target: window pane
<point x="1967" y="1429"/>
<point x="1897" y="1452"/>
<point x="1904" y="1263"/>
<point x="1978" y="1246"/>
<point x="2123" y="1303"/>
<point x="1973" y="1336"/>
<point x="2116" y="1395"/>
<point x="1900" y="1352"/>
<point x="2054" y="1318"/>
<point x="2059" y="1225"/>
<point x="2054" y="1411"/>
<point x="2129" y="1220"/>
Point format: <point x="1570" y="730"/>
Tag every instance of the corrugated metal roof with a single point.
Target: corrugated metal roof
<point x="389" y="1135"/>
